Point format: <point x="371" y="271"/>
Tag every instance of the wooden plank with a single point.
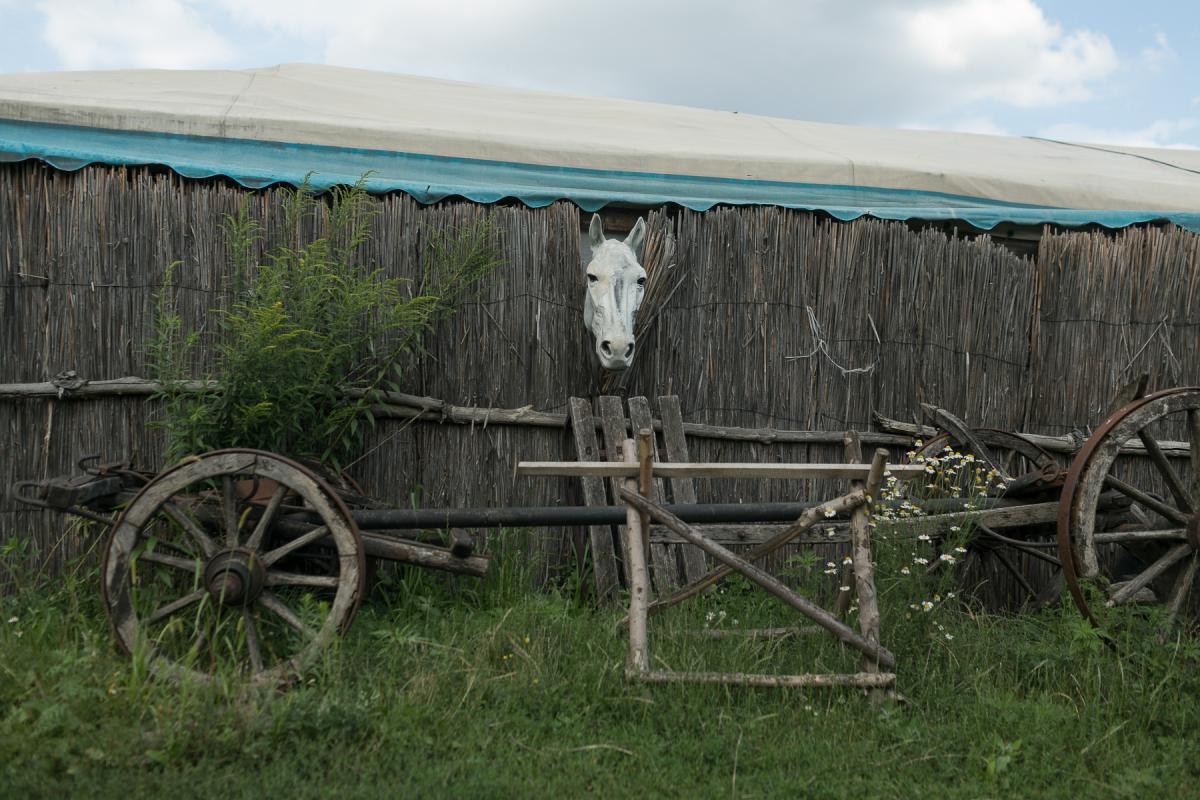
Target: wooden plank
<point x="666" y="568"/>
<point x="605" y="569"/>
<point x="612" y="421"/>
<point x="617" y="471"/>
<point x="683" y="490"/>
<point x="614" y="430"/>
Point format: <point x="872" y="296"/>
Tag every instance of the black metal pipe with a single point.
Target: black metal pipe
<point x="535" y="516"/>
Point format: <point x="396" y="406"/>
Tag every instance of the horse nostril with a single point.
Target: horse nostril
<point x="606" y="346"/>
<point x="629" y="351"/>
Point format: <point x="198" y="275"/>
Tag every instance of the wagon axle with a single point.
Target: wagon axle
<point x="235" y="577"/>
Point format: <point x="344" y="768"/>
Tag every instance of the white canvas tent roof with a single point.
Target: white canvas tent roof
<point x="434" y="139"/>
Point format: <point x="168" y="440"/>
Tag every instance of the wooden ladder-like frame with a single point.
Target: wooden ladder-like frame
<point x="635" y="473"/>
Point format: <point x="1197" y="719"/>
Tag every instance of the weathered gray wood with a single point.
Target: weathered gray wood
<point x="616" y="430"/>
<point x="605" y="569"/>
<point x="705" y="470"/>
<point x="401" y="405"/>
<point x="864" y="571"/>
<point x="852" y="449"/>
<point x="755" y="633"/>
<point x="768" y="582"/>
<point x="666" y="567"/>
<point x="424" y="555"/>
<point x="683" y="490"/>
<point x="1053" y="444"/>
<point x="1178" y="490"/>
<point x="639" y="580"/>
<point x="860" y="680"/>
<point x="1164" y="562"/>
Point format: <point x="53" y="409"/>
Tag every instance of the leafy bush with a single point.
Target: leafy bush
<point x="308" y="337"/>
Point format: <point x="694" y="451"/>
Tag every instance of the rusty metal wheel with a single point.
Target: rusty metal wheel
<point x="1161" y="480"/>
<point x="205" y="575"/>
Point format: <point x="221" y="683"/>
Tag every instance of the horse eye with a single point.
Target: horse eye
<point x="641" y="281"/>
<point x="592" y="278"/>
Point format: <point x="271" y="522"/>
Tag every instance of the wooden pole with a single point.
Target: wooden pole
<point x="639" y="583"/>
<point x="768" y="582"/>
<point x="852" y="446"/>
<point x="864" y="571"/>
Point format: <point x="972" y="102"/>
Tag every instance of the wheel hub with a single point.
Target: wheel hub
<point x="234" y="577"/>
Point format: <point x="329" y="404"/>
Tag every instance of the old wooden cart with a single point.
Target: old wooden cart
<point x="250" y="559"/>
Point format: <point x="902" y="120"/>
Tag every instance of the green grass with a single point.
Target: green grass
<point x="466" y="689"/>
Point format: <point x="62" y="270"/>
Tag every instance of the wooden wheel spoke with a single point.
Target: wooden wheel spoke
<point x="1153" y="503"/>
<point x="253" y="647"/>
<point x="193" y="529"/>
<point x="1178" y="490"/>
<point x="272" y="603"/>
<point x="258" y="536"/>
<point x="1156" y="535"/>
<point x="175" y="606"/>
<point x="190" y="566"/>
<point x="316" y="534"/>
<point x="1164" y="562"/>
<point x="229" y="515"/>
<point x="294" y="579"/>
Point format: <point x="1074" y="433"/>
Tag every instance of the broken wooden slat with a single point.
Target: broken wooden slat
<point x="683" y="490"/>
<point x="605" y="569"/>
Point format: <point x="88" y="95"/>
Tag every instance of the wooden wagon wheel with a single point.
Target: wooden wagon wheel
<point x="1165" y="492"/>
<point x="200" y="577"/>
<point x="1022" y="465"/>
<point x="1023" y="468"/>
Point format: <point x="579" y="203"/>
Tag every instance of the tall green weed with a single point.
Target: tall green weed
<point x="306" y="338"/>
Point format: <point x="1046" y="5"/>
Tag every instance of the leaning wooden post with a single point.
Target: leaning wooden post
<point x="638" y="662"/>
<point x="853" y="450"/>
<point x="864" y="571"/>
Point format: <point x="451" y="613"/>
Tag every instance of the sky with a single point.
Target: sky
<point x="1104" y="71"/>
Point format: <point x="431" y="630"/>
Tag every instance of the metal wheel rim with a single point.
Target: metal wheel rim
<point x="1076" y="507"/>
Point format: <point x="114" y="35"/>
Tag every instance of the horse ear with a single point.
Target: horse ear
<point x="637" y="236"/>
<point x="596" y="232"/>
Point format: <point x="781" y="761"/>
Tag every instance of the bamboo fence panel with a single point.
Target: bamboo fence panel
<point x="898" y="317"/>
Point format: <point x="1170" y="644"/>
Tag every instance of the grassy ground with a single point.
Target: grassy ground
<point x="462" y="689"/>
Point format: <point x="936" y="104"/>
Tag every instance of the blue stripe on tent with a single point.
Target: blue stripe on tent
<point x="433" y="178"/>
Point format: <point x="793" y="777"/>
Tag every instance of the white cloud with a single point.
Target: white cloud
<point x="1160" y="133"/>
<point x="821" y="59"/>
<point x="1006" y="51"/>
<point x="1159" y="54"/>
<point x="100" y="34"/>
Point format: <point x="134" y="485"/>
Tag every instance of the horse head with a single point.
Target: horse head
<point x="615" y="285"/>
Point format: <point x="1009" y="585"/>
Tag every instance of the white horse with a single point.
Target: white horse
<point x="616" y="283"/>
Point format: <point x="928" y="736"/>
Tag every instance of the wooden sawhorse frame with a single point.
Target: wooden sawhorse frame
<point x="637" y="470"/>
